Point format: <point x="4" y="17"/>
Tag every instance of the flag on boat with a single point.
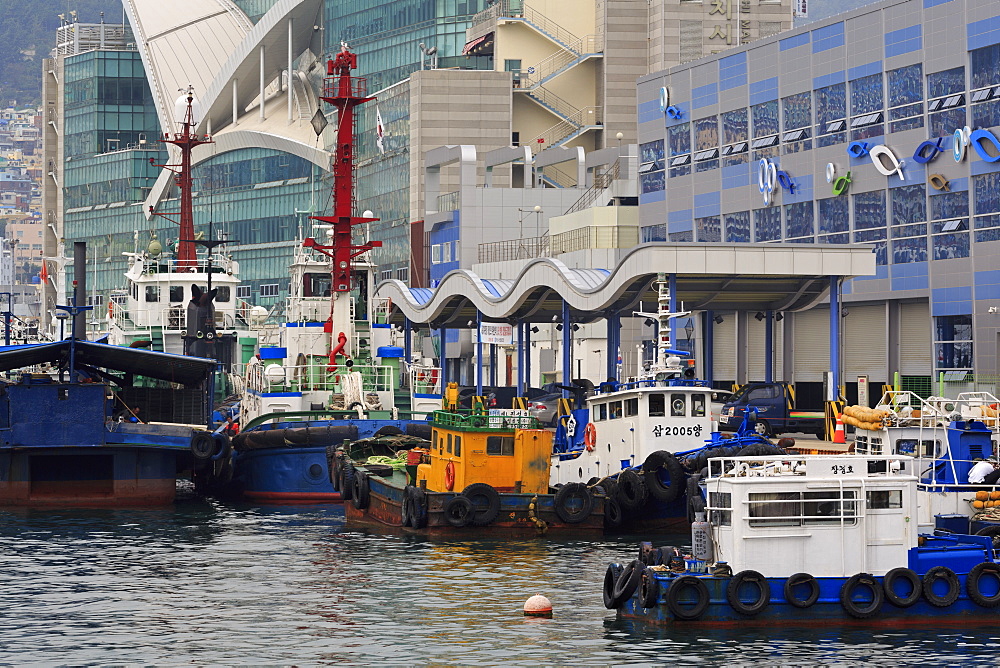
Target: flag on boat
<point x="43" y="277"/>
<point x="379" y="130"/>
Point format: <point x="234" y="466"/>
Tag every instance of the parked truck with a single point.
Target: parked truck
<point x="775" y="408"/>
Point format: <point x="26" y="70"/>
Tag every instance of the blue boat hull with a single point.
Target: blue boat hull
<point x="297" y="474"/>
<point x="88" y="476"/>
<point x="827" y="609"/>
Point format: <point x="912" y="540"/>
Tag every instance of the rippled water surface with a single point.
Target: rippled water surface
<point x="209" y="583"/>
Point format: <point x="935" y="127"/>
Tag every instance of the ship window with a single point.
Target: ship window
<point x="449" y="444"/>
<point x="720" y="504"/>
<point x="152" y="293"/>
<point x="678" y="407"/>
<point x="774" y="509"/>
<point x="434" y="441"/>
<point x="458" y="445"/>
<point x="500" y="445"/>
<point x="830" y="506"/>
<point x="657" y="407"/>
<point x="631" y="407"/>
<point x="929" y="448"/>
<point x="223" y="294"/>
<point x="615" y="408"/>
<point x="698" y="405"/>
<point x="176" y="293"/>
<point x="602" y="411"/>
<point x="882" y="499"/>
<point x="906" y="446"/>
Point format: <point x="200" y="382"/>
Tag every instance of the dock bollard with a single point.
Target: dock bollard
<point x="538" y="606"/>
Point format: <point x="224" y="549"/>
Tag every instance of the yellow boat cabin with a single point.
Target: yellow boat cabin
<point x="506" y="449"/>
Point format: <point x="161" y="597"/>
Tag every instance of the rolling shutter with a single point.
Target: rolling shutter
<point x="865" y="336"/>
<point x="756" y="355"/>
<point x="812" y="344"/>
<point x="915" y="339"/>
<point x="724" y="348"/>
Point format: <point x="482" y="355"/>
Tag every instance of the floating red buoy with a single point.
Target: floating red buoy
<point x="538" y="606"/>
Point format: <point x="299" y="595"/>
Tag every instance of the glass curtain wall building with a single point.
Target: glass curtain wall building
<point x="879" y="126"/>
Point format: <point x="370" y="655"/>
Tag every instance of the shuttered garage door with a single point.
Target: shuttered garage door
<point x="865" y="338"/>
<point x="756" y="338"/>
<point x="812" y="344"/>
<point x="724" y="348"/>
<point x="914" y="339"/>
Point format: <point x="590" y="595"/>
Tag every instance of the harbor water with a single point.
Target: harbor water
<point x="203" y="582"/>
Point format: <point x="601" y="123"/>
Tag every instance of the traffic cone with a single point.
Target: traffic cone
<point x="838" y="434"/>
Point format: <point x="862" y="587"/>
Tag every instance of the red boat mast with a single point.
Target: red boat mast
<point x="186" y="140"/>
<point x="345" y="93"/>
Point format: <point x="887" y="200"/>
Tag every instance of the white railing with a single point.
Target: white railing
<point x="425" y="379"/>
<point x="317" y="375"/>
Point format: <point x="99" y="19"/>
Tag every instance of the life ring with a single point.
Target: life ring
<point x="610" y="578"/>
<point x="573" y="503"/>
<point x="649" y="589"/>
<point x="666" y="461"/>
<point x="486" y="501"/>
<point x="798" y="580"/>
<point x="931" y="578"/>
<point x="449" y="476"/>
<point x="111" y="309"/>
<point x="756" y="581"/>
<point x="889" y="585"/>
<point x="632" y="492"/>
<point x="986" y="568"/>
<point x="628" y="581"/>
<point x="458" y="511"/>
<point x="686" y="613"/>
<point x="360" y="492"/>
<point x="859" y="609"/>
<point x="590" y="436"/>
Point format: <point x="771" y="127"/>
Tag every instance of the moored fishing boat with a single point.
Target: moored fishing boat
<point x="812" y="540"/>
<point x="484" y="473"/>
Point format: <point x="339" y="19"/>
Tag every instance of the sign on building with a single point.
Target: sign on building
<point x="498" y="333"/>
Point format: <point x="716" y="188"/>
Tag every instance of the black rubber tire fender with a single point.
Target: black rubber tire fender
<point x="333" y="468"/>
<point x="407" y="508"/>
<point x="347" y="473"/>
<point x="649" y="589"/>
<point x="656" y="462"/>
<point x="566" y="500"/>
<point x="673" y="595"/>
<point x="755" y="580"/>
<point x="360" y="491"/>
<point x="628" y="582"/>
<point x="203" y="446"/>
<point x="610" y="487"/>
<point x="889" y="585"/>
<point x="632" y="492"/>
<point x="612" y="513"/>
<point x="761" y="450"/>
<point x="486" y="501"/>
<point x="610" y="578"/>
<point x="458" y="511"/>
<point x="418" y="507"/>
<point x="975" y="577"/>
<point x="861" y="610"/>
<point x="954" y="586"/>
<point x="798" y="580"/>
<point x="992" y="531"/>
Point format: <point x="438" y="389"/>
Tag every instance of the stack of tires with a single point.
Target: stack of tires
<point x="661" y="477"/>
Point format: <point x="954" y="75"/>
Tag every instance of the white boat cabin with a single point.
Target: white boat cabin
<point x="824" y="515"/>
<point x="633" y="421"/>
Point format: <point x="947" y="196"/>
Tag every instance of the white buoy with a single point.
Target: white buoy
<point x="538" y="606"/>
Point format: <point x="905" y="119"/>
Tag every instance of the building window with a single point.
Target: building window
<point x="679" y="145"/>
<point x="831" y="112"/>
<point x="653" y="233"/>
<point x="708" y="228"/>
<point x="767" y="224"/>
<point x="834" y="215"/>
<point x="269" y="290"/>
<point x="905" y="93"/>
<point x="737" y="227"/>
<point x="908" y="205"/>
<point x="436" y="254"/>
<point x="706" y="143"/>
<point x="869" y="210"/>
<point x="242" y="292"/>
<point x="953" y="342"/>
<point x="764" y="117"/>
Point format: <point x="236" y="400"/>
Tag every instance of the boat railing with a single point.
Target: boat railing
<point x="499" y="420"/>
<point x="811" y="466"/>
<point x="381" y="310"/>
<point x="424" y="379"/>
<point x="318" y="375"/>
<point x="906" y="409"/>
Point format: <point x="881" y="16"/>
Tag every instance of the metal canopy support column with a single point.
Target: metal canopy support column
<point x="567" y="350"/>
<point x="493" y="365"/>
<point x="614" y="343"/>
<point x="443" y="356"/>
<point x="235" y="103"/>
<point x="769" y="347"/>
<point x="527" y="355"/>
<point x="834" y="337"/>
<point x="261" y="82"/>
<point x="672" y="286"/>
<point x="407" y="346"/>
<point x="708" y="345"/>
<point x="479" y="353"/>
<point x="521" y="327"/>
